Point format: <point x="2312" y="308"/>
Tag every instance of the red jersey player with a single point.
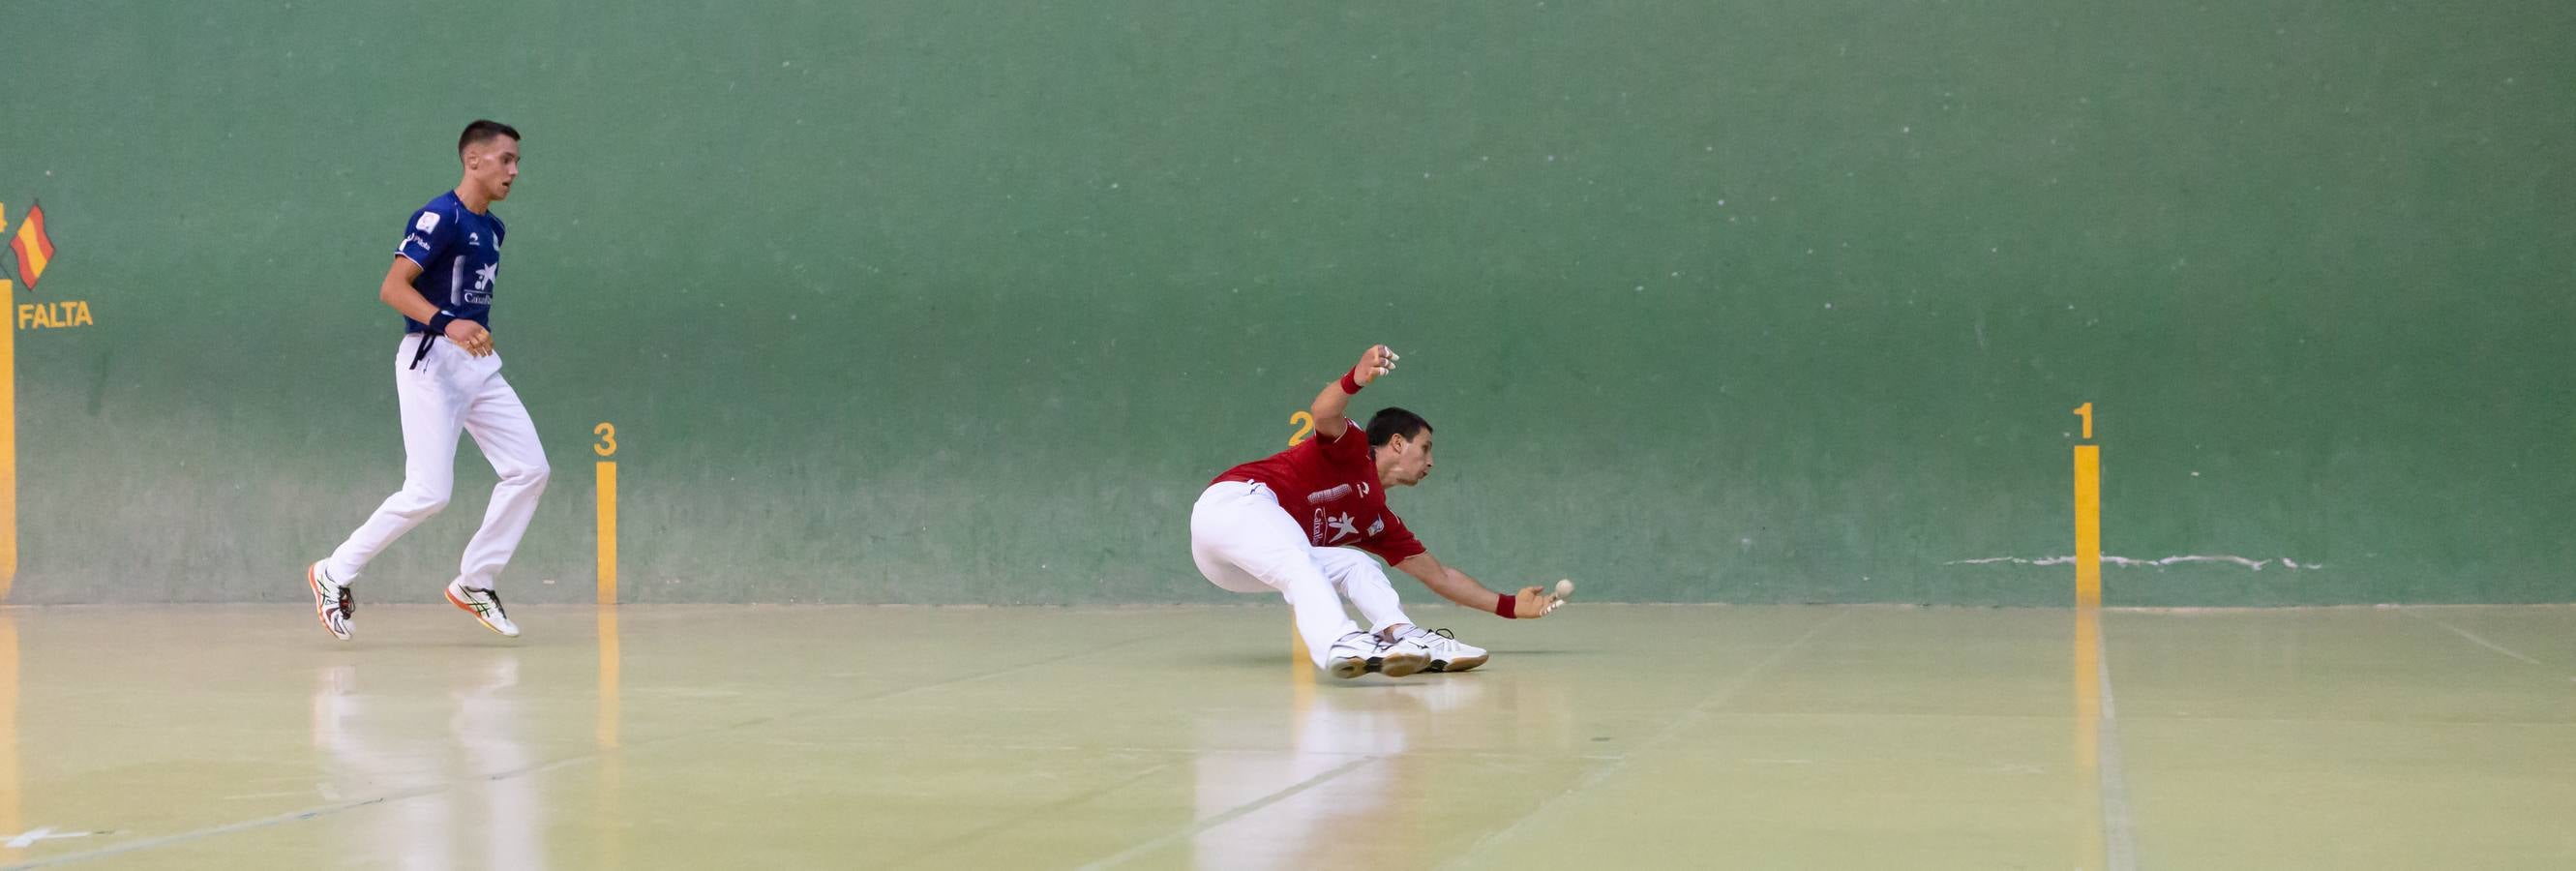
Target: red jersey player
<point x="1288" y="523"/>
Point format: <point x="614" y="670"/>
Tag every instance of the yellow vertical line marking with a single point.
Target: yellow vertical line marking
<point x="609" y="661"/>
<point x="608" y="532"/>
<point x="610" y="763"/>
<point x="2088" y="526"/>
<point x="608" y="678"/>
<point x="10" y="820"/>
<point x="1298" y="657"/>
<point x="8" y="439"/>
<point x="1301" y="684"/>
<point x="1301" y="670"/>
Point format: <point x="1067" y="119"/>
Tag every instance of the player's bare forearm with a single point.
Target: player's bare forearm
<point x="1331" y="410"/>
<point x="1332" y="406"/>
<point x="397" y="292"/>
<point x="1451" y="584"/>
<point x="1530" y="603"/>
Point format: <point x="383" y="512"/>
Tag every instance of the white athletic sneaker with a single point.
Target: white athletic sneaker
<point x="332" y="601"/>
<point x="1403" y="656"/>
<point x="1445" y="651"/>
<point x="1350" y="656"/>
<point x="484" y="604"/>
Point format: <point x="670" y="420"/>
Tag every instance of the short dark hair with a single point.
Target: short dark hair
<point x="481" y="131"/>
<point x="1390" y="422"/>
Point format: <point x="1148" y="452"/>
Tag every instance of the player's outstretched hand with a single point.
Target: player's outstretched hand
<point x="470" y="336"/>
<point x="1533" y="603"/>
<point x="1378" y="361"/>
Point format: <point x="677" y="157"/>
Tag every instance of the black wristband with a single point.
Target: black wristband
<point x="438" y="323"/>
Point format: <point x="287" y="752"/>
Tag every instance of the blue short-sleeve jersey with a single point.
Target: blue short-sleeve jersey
<point x="459" y="253"/>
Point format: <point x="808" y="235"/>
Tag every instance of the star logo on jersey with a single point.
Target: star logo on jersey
<point x="483" y="276"/>
<point x="1343" y="527"/>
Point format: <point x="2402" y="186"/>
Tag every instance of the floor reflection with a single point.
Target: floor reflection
<point x="1352" y="783"/>
<point x="10" y="821"/>
<point x="393" y="741"/>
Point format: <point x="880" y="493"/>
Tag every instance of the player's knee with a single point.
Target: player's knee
<point x="530" y="476"/>
<point x="1344" y="566"/>
<point x="426" y="501"/>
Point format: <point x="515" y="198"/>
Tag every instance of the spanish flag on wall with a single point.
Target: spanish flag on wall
<point x="34" y="248"/>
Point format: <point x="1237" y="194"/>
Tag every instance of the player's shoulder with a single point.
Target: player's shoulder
<point x="445" y="202"/>
<point x="433" y="215"/>
<point x="1352" y="432"/>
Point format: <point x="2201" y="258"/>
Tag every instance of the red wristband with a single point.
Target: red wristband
<point x="1507" y="604"/>
<point x="1350" y="385"/>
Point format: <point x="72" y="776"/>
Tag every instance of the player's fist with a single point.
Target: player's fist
<point x="1532" y="603"/>
<point x="470" y="336"/>
<point x="1378" y="361"/>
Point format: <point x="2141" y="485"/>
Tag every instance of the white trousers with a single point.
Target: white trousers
<point x="1243" y="541"/>
<point x="453" y="392"/>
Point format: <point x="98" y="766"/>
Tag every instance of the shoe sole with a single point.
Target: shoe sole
<point x="1401" y="665"/>
<point x="1462" y="663"/>
<point x="1347" y="667"/>
<point x="322" y="603"/>
<point x="461" y="605"/>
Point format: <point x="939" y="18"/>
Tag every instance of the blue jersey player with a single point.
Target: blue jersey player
<point x="448" y="378"/>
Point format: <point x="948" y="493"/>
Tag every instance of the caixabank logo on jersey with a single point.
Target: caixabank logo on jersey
<point x="33" y="249"/>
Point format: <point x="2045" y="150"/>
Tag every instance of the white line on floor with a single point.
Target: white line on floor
<point x="1230" y="815"/>
<point x="2119" y="831"/>
<point x="29" y="837"/>
<point x="2472" y="636"/>
<point x="433" y="789"/>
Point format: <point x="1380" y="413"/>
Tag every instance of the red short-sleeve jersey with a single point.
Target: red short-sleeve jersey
<point x="1329" y="486"/>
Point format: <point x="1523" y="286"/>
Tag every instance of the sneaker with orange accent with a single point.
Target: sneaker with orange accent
<point x="484" y="604"/>
<point x="332" y="601"/>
